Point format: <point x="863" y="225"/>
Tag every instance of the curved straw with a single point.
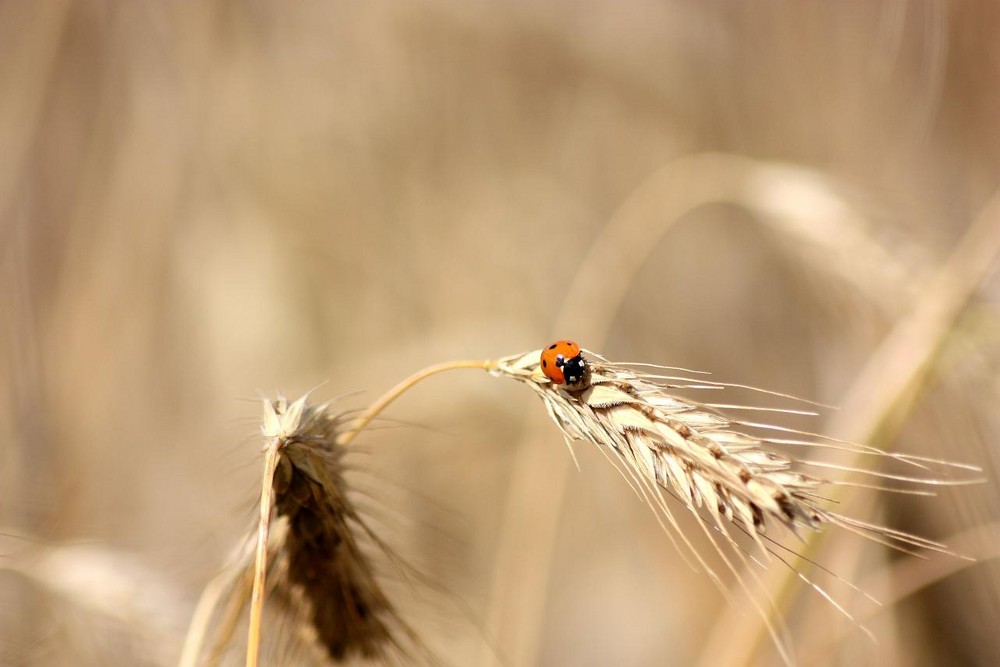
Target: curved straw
<point x="225" y="583"/>
<point x="880" y="398"/>
<point x="909" y="576"/>
<point x="796" y="202"/>
<point x="28" y="78"/>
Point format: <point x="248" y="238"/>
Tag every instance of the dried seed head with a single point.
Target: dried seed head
<point x="348" y="608"/>
<point x="322" y="556"/>
<point x="725" y="471"/>
<point x="323" y="593"/>
<point x="721" y="468"/>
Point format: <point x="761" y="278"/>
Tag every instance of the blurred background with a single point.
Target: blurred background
<point x="203" y="201"/>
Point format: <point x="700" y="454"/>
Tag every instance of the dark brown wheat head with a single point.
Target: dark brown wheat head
<point x="324" y="562"/>
<point x="322" y="591"/>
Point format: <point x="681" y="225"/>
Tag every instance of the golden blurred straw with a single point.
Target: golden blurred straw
<point x="909" y="576"/>
<point x="233" y="582"/>
<point x="881" y="397"/>
<point x="260" y="558"/>
<point x="24" y="78"/>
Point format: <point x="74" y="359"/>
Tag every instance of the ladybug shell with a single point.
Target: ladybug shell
<point x="556" y="356"/>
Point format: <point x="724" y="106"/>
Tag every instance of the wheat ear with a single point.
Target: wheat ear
<point x="727" y="471"/>
<point x="326" y="566"/>
<point x="315" y="566"/>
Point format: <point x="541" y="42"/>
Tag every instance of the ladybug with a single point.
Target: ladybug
<point x="563" y="363"/>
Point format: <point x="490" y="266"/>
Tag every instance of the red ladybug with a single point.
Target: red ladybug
<point x="563" y="363"/>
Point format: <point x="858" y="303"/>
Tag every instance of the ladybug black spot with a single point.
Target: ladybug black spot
<point x="544" y="363"/>
<point x="553" y="346"/>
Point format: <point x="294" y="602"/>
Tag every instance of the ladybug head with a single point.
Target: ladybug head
<point x="576" y="371"/>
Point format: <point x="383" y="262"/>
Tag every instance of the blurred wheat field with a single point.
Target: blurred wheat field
<point x="203" y="201"/>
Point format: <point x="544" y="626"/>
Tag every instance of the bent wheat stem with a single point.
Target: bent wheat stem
<point x="388" y="397"/>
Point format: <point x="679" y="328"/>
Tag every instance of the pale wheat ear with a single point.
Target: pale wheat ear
<point x="725" y="471"/>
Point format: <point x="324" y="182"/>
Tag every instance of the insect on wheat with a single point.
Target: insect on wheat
<point x="730" y="473"/>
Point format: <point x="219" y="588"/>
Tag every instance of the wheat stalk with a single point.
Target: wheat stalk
<point x="727" y="470"/>
<point x="730" y="473"/>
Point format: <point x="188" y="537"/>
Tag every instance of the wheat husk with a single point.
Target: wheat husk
<point x="732" y="474"/>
